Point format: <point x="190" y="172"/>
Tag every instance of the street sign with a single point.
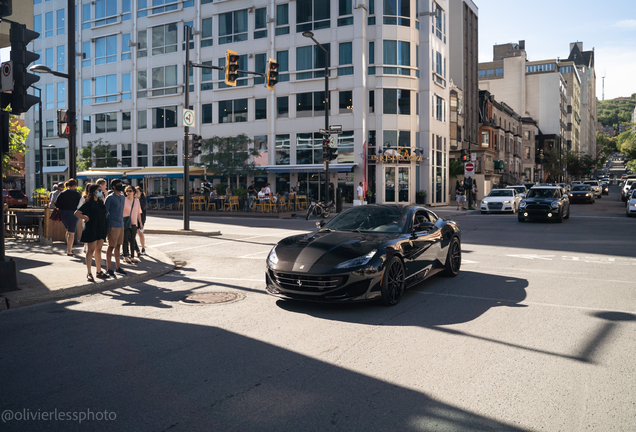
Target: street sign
<point x="473" y="157"/>
<point x="469" y="169"/>
<point x="7" y="76"/>
<point x="330" y="132"/>
<point x="188" y="118"/>
<point x="332" y="141"/>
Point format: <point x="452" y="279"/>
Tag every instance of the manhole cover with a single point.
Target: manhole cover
<point x="212" y="298"/>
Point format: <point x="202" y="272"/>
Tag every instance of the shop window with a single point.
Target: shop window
<point x="282" y="19"/>
<point x="282" y="149"/>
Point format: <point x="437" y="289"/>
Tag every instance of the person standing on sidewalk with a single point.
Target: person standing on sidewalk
<point x="461" y="195"/>
<point x="360" y="193"/>
<point x="53" y="196"/>
<point x="93" y="213"/>
<point x="67" y="203"/>
<point x="141" y="196"/>
<point x="115" y="213"/>
<point x="132" y="210"/>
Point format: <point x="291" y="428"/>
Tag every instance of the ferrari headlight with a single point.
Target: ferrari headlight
<point x="273" y="258"/>
<point x="555" y="204"/>
<point x="357" y="261"/>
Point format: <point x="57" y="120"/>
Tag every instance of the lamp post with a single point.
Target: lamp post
<point x="41" y="173"/>
<point x="310" y="35"/>
<point x="71" y="109"/>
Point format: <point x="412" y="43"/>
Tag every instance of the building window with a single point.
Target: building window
<point x="439" y="23"/>
<point x="206" y="77"/>
<point x="309" y="148"/>
<point x="345" y="147"/>
<point x="142" y="44"/>
<point x="142" y="154"/>
<point x="125" y="120"/>
<point x="165" y="117"/>
<point x="86" y="54"/>
<point x="37" y="24"/>
<point x="106" y="122"/>
<point x="206" y="33"/>
<point x="282" y="58"/>
<point x="282" y="149"/>
<point x="48" y="24"/>
<point x="105" y="12"/>
<point x="164" y="80"/>
<point x="282" y="107"/>
<point x="61" y="94"/>
<point x="125" y="86"/>
<point x="260" y="23"/>
<point x="310" y="104"/>
<point x="260" y="61"/>
<point x="106" y="50"/>
<point x="49" y="93"/>
<point x="86" y="124"/>
<point x="371" y="69"/>
<point x="61" y="54"/>
<point x="312" y="15"/>
<point x="191" y="25"/>
<point x="282" y="19"/>
<point x="60" y="21"/>
<point x="49" y="58"/>
<point x="164" y="153"/>
<point x="126" y="155"/>
<point x="125" y="9"/>
<point x="233" y="111"/>
<point x="439" y="108"/>
<point x="233" y="27"/>
<point x="86" y="92"/>
<point x="396" y="53"/>
<point x="142" y="119"/>
<point x="170" y="5"/>
<point x="345" y="58"/>
<point x="485" y="139"/>
<point x="311" y="57"/>
<point x="371" y="18"/>
<point x="371" y="101"/>
<point x="50" y="128"/>
<point x="345" y="99"/>
<point x="345" y="15"/>
<point x="397" y="12"/>
<point x="260" y="109"/>
<point x="106" y="88"/>
<point x="125" y="46"/>
<point x="56" y="156"/>
<point x="164" y="39"/>
<point x="206" y="114"/>
<point x="242" y="78"/>
<point x="142" y="83"/>
<point x="86" y="16"/>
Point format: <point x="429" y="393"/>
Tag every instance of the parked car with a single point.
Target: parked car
<point x="14" y="198"/>
<point x="582" y="193"/>
<point x="596" y="187"/>
<point x="370" y="252"/>
<point x="631" y="205"/>
<point x="545" y="202"/>
<point x="626" y="187"/>
<point x="521" y="190"/>
<point x="501" y="200"/>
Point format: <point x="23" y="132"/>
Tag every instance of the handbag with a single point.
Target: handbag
<point x="127" y="219"/>
<point x="55" y="215"/>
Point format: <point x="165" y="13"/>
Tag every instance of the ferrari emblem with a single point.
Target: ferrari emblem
<point x="411" y="243"/>
<point x="299" y="282"/>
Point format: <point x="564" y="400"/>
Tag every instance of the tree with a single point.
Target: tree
<point x="17" y="145"/>
<point x="608" y="145"/>
<point x="96" y="154"/>
<point x="229" y="156"/>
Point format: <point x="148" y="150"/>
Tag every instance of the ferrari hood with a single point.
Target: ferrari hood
<point x="320" y="252"/>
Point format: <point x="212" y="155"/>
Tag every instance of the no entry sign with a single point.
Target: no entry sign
<point x="7" y="76"/>
<point x="469" y="169"/>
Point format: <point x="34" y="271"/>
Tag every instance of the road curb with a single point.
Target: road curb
<point x="182" y="232"/>
<point x="15" y="299"/>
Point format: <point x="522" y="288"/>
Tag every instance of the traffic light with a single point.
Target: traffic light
<point x="464" y="156"/>
<point x="325" y="149"/>
<point x="196" y="145"/>
<point x="231" y="67"/>
<point x="6" y="8"/>
<point x="332" y="153"/>
<point x="20" y="37"/>
<point x="63" y="128"/>
<point x="272" y="73"/>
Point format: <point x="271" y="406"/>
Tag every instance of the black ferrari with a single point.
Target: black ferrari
<point x="365" y="253"/>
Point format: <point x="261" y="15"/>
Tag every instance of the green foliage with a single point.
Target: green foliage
<point x="97" y="154"/>
<point x="229" y="156"/>
<point x="17" y="145"/>
<point x="608" y="144"/>
<point x="455" y="168"/>
<point x="614" y="111"/>
<point x="240" y="192"/>
<point x="628" y="145"/>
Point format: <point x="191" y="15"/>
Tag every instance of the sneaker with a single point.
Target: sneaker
<point x="121" y="272"/>
<point x="101" y="275"/>
<point x="143" y="251"/>
<point x="111" y="273"/>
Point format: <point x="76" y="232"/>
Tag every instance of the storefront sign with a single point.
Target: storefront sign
<point x="395" y="158"/>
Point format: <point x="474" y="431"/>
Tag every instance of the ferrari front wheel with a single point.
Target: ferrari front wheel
<point x="393" y="282"/>
<point x="454" y="258"/>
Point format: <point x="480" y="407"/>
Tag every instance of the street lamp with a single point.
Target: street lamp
<point x="41" y="175"/>
<point x="310" y="35"/>
<point x="71" y="113"/>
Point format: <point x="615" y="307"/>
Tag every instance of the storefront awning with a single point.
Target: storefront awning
<point x="169" y="172"/>
<point x="106" y="174"/>
<point x="342" y="167"/>
<point x="54" y="169"/>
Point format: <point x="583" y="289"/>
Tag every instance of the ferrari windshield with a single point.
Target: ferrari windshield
<point x="543" y="193"/>
<point x="501" y="193"/>
<point x="370" y="218"/>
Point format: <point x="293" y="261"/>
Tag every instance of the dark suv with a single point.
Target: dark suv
<point x="545" y="202"/>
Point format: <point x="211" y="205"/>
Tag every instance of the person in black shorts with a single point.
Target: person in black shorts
<point x="141" y="196"/>
<point x="67" y="203"/>
<point x="93" y="213"/>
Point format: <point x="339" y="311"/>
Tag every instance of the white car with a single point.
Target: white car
<point x="501" y="200"/>
<point x="521" y="190"/>
<point x="596" y="187"/>
<point x="631" y="205"/>
<point x="626" y="188"/>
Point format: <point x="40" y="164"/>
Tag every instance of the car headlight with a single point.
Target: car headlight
<point x="522" y="204"/>
<point x="357" y="261"/>
<point x="587" y="194"/>
<point x="484" y="202"/>
<point x="506" y="202"/>
<point x="555" y="204"/>
<point x="273" y="258"/>
<point x="571" y="195"/>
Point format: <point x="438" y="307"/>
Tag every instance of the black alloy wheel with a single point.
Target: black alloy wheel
<point x="393" y="282"/>
<point x="454" y="258"/>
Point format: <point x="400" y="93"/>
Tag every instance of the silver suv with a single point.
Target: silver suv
<point x="596" y="187"/>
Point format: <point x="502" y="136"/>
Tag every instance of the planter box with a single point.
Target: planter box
<point x="358" y="202"/>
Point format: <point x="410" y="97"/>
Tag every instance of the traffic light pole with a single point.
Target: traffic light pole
<point x="186" y="138"/>
<point x="72" y="139"/>
<point x="326" y="120"/>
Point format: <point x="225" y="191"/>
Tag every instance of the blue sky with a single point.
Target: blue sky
<point x="549" y="26"/>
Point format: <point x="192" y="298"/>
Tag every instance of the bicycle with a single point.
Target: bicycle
<point x="319" y="209"/>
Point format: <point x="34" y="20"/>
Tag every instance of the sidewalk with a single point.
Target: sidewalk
<point x="46" y="273"/>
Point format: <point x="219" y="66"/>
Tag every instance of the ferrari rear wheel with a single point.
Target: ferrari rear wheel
<point x="393" y="282"/>
<point x="454" y="258"/>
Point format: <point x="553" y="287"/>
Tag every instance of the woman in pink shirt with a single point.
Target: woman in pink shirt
<point x="132" y="210"/>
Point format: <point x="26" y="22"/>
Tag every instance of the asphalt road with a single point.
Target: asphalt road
<point x="536" y="333"/>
